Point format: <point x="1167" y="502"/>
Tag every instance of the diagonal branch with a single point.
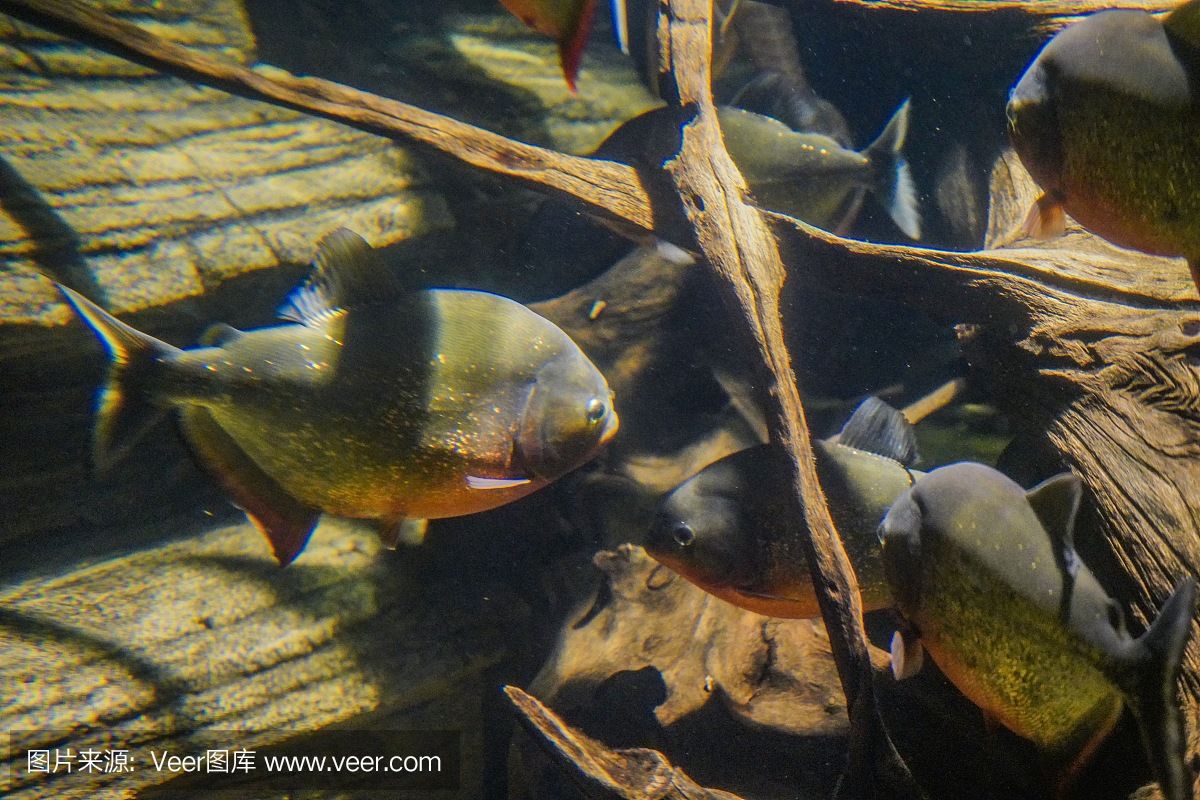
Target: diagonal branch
<point x="735" y="240"/>
<point x="614" y="190"/>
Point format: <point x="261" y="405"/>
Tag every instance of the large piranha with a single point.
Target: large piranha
<point x="375" y="402"/>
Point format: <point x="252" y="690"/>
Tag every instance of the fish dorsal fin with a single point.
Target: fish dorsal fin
<point x="1056" y="502"/>
<point x="1184" y="23"/>
<point x="876" y="427"/>
<point x="219" y="334"/>
<point x="347" y="272"/>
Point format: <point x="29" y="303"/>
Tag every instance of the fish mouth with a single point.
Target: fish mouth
<point x="611" y="424"/>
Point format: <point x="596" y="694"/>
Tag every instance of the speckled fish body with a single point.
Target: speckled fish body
<point x="1107" y="120"/>
<point x="988" y="580"/>
<point x="397" y="403"/>
<point x="420" y="404"/>
<point x="729" y="530"/>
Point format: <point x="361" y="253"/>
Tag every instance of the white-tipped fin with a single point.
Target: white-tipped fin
<point x="125" y="407"/>
<point x="476" y="482"/>
<point x="893" y="183"/>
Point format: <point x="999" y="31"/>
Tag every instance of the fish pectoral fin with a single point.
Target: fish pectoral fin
<point x="475" y="482"/>
<point x="394" y="532"/>
<point x="347" y="272"/>
<point x="875" y="427"/>
<point x="1046" y="218"/>
<point x="908" y="655"/>
<point x="1056" y="503"/>
<point x="286" y="522"/>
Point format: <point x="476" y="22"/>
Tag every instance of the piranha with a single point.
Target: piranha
<point x="805" y="175"/>
<point x="568" y="22"/>
<point x="1105" y="119"/>
<point x="377" y="402"/>
<point x="729" y="530"/>
<point x="811" y="177"/>
<point x="988" y="581"/>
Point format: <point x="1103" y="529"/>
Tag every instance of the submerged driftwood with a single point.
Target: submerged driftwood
<point x="1099" y="364"/>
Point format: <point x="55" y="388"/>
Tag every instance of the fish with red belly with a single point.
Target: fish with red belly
<point x="376" y="402"/>
<point x="1107" y="121"/>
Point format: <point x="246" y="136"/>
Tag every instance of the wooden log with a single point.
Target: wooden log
<point x="608" y="774"/>
<point x="185" y="645"/>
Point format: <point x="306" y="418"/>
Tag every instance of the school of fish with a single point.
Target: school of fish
<point x="395" y="404"/>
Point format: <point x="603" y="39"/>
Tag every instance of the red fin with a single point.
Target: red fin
<point x="286" y="522"/>
<point x="1046" y="218"/>
<point x="568" y="22"/>
<point x="1194" y="266"/>
<point x="570" y="48"/>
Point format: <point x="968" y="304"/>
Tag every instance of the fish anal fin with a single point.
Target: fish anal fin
<point x="1046" y="218"/>
<point x="1194" y="268"/>
<point x="1056" y="503"/>
<point x="393" y="533"/>
<point x="1066" y="762"/>
<point x="286" y="522"/>
<point x="908" y="655"/>
<point x="876" y="427"/>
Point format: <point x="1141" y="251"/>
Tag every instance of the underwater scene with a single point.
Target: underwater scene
<point x="608" y="399"/>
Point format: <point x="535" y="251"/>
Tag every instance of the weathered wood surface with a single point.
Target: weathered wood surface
<point x="607" y="773"/>
<point x="1103" y="361"/>
<point x="177" y="646"/>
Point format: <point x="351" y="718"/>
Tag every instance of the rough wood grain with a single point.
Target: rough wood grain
<point x="1102" y="360"/>
<point x="169" y="647"/>
<point x="140" y="189"/>
<point x="778" y="674"/>
<point x="612" y="189"/>
<point x="1050" y="15"/>
<point x="608" y="774"/>
<point x="736" y="243"/>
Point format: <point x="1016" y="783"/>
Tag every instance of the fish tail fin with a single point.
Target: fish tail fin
<point x="124" y="407"/>
<point x="893" y="178"/>
<point x="1153" y="693"/>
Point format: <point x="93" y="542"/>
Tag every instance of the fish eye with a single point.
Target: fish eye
<point x="596" y="410"/>
<point x="683" y="534"/>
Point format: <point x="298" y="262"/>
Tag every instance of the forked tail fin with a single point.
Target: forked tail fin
<point x="1153" y="693"/>
<point x="893" y="183"/>
<point x="124" y="408"/>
